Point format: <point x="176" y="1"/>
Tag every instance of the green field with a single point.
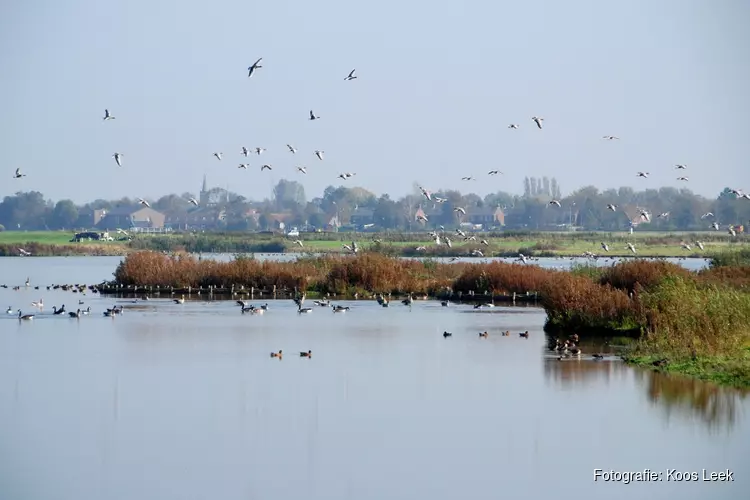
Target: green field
<point x="43" y="237"/>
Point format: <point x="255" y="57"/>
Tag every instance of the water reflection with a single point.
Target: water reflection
<point x="573" y="372"/>
<point x="717" y="407"/>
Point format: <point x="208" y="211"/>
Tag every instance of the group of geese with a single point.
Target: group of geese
<point x="569" y="348"/>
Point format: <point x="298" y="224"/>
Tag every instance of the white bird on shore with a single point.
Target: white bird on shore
<point x="244" y="151"/>
<point x="605" y="247"/>
<point x="699" y="244"/>
<point x="18" y="174"/>
<point x="218" y="155"/>
<point x="459" y="210"/>
<point x="143" y="202"/>
<point x="302" y="169"/>
<point x="426" y="193"/>
<point x="319" y="154"/>
<point x="611" y="137"/>
<point x="259" y="151"/>
<point x="555" y="202"/>
<point x="513" y="126"/>
<point x="292" y="149"/>
<point x="494" y="172"/>
<point x="612" y="207"/>
<point x="193" y="201"/>
<point x="256" y="65"/>
<point x="312" y="116"/>
<point x="264" y="167"/>
<point x="118" y="158"/>
<point x="680" y="167"/>
<point x="642" y="174"/>
<point x="631" y="247"/>
<point x="243" y="165"/>
<point x="107" y="115"/>
<point x="682" y="178"/>
<point x="538" y="120"/>
<point x="351" y="76"/>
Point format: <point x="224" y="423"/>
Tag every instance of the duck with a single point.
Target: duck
<point x="447" y="334"/>
<point x="483" y="335"/>
<point x="181" y="300"/>
<point x="340" y="309"/>
<point x="573" y="338"/>
<point x="307" y="354"/>
<point x="597" y="357"/>
<point x="444" y="303"/>
<point x="506" y="333"/>
<point x="24" y="316"/>
<point x="524" y="334"/>
<point x="277" y="354"/>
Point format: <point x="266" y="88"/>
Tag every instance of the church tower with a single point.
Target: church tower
<point x="204" y="192"/>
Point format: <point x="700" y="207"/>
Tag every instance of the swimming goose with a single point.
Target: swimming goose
<point x="256" y="65"/>
<point x="264" y="306"/>
<point x="340" y="309"/>
<point x="10" y="310"/>
<point x="56" y="311"/>
<point x="304" y="310"/>
<point x="86" y="311"/>
<point x="524" y="334"/>
<point x="76" y="314"/>
<point x="408" y="300"/>
<point x="181" y="300"/>
<point x="483" y="335"/>
<point x="444" y="303"/>
<point x="597" y="357"/>
<point x="277" y="354"/>
<point x="307" y="354"/>
<point x="24" y="316"/>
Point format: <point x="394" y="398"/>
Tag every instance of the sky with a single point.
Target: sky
<point x="438" y="84"/>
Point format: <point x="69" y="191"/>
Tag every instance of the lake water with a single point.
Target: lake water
<point x="182" y="401"/>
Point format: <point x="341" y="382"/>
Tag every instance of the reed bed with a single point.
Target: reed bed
<point x="46" y="250"/>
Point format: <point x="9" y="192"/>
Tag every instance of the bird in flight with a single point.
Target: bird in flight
<point x="243" y="165"/>
<point x="680" y="167"/>
<point x="18" y="174"/>
<point x="612" y="207"/>
<point x="218" y="155"/>
<point x="319" y="154"/>
<point x="244" y="151"/>
<point x="642" y="174"/>
<point x="118" y="159"/>
<point x="259" y="150"/>
<point x="256" y="65"/>
<point x="611" y="137"/>
<point x="292" y="149"/>
<point x="468" y="178"/>
<point x="193" y="201"/>
<point x="143" y="202"/>
<point x="302" y="169"/>
<point x="107" y="116"/>
<point x="351" y="76"/>
<point x="555" y="202"/>
<point x="538" y="121"/>
<point x="682" y="179"/>
<point x="494" y="172"/>
<point x="513" y="125"/>
<point x="264" y="167"/>
<point x="312" y="116"/>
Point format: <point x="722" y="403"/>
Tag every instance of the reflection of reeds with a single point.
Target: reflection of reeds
<point x="715" y="406"/>
<point x="573" y="371"/>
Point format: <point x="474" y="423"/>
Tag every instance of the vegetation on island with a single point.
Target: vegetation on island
<point x="697" y="323"/>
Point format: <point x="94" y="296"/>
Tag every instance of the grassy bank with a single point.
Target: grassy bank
<point x="687" y="322"/>
<point x="509" y="243"/>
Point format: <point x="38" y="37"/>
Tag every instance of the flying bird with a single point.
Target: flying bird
<point x="611" y="137"/>
<point x="265" y="167"/>
<point x="494" y="172"/>
<point x="700" y="245"/>
<point x="707" y="214"/>
<point x="143" y="202"/>
<point x="319" y="154"/>
<point x="605" y="247"/>
<point x="468" y="178"/>
<point x="459" y="210"/>
<point x="312" y="115"/>
<point x="118" y="158"/>
<point x="256" y="65"/>
<point x="244" y="151"/>
<point x="555" y="202"/>
<point x="351" y="76"/>
<point x="682" y="178"/>
<point x="218" y="155"/>
<point x="513" y="125"/>
<point x="193" y="201"/>
<point x="612" y="207"/>
<point x="292" y="149"/>
<point x="680" y="167"/>
<point x="302" y="169"/>
<point x="426" y="193"/>
<point x="107" y="116"/>
<point x="18" y="174"/>
<point x="243" y="165"/>
<point x="259" y="151"/>
<point x="642" y="174"/>
<point x="631" y="247"/>
<point x="538" y="121"/>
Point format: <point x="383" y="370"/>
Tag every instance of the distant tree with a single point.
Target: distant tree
<point x="534" y="187"/>
<point x="555" y="189"/>
<point x="289" y="195"/>
<point x="526" y="187"/>
<point x="65" y="214"/>
<point x="546" y="186"/>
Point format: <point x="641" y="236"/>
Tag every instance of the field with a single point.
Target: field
<point x="510" y="243"/>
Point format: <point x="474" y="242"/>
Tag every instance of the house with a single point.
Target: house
<point x="486" y="216"/>
<point x="362" y="216"/>
<point x="136" y="218"/>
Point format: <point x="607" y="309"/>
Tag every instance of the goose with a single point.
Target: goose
<point x="663" y="215"/>
<point x="538" y="121"/>
<point x="686" y="246"/>
<point x="642" y="174"/>
<point x="715" y="225"/>
<point x="631" y="247"/>
<point x="244" y="151"/>
<point x="322" y="303"/>
<point x="107" y="115"/>
<point x="523" y="258"/>
<point x="319" y="154"/>
<point x="218" y="155"/>
<point x="24" y="253"/>
<point x="298" y="242"/>
<point x="597" y="357"/>
<point x="118" y="158"/>
<point x="76" y="314"/>
<point x="422" y="218"/>
<point x="421" y="248"/>
<point x="524" y="334"/>
<point x="645" y="216"/>
<point x="437" y="199"/>
<point x="292" y="149"/>
<point x="485" y="243"/>
<point x="460" y="210"/>
<point x="307" y="354"/>
<point x="144" y="202"/>
<point x="731" y="231"/>
<point x="340" y="309"/>
<point x="302" y="169"/>
<point x="18" y="174"/>
<point x="28" y="282"/>
<point x="312" y="116"/>
<point x="408" y="300"/>
<point x="347" y="175"/>
<point x="426" y="193"/>
<point x="699" y="244"/>
<point x="477" y="253"/>
<point x="736" y="192"/>
<point x="259" y="151"/>
<point x="304" y="310"/>
<point x="300" y="300"/>
<point x="87" y="311"/>
<point x="513" y="126"/>
<point x="264" y="307"/>
<point x="682" y="179"/>
<point x="9" y="310"/>
<point x="193" y="201"/>
<point x="481" y="306"/>
<point x="494" y="172"/>
<point x="680" y="167"/>
<point x="243" y="165"/>
<point x="447" y="334"/>
<point x="56" y="311"/>
<point x="264" y="167"/>
<point x="555" y="202"/>
<point x="605" y="247"/>
<point x="483" y="335"/>
<point x="612" y="207"/>
<point x="611" y="137"/>
<point x="24" y="316"/>
<point x="351" y="76"/>
<point x="469" y="178"/>
<point x="444" y="303"/>
<point x="279" y="354"/>
<point x="256" y="65"/>
<point x="181" y="300"/>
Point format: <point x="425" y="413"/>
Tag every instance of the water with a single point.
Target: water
<point x="182" y="401"/>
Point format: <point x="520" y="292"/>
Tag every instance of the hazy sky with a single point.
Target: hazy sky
<point x="439" y="83"/>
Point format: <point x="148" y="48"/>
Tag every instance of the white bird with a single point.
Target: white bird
<point x="351" y="76"/>
<point x="538" y="121"/>
<point x="494" y="172"/>
<point x="605" y="247"/>
<point x="18" y="174"/>
<point x="699" y="244"/>
<point x="143" y="202"/>
<point x="437" y="199"/>
<point x="244" y="151"/>
<point x="611" y="137"/>
<point x="477" y="253"/>
<point x="746" y="196"/>
<point x="707" y="214"/>
<point x="522" y="258"/>
<point x="645" y="215"/>
<point x="24" y="253"/>
<point x="298" y="242"/>
<point x="319" y="154"/>
<point x="555" y="202"/>
<point x="421" y="249"/>
<point x="731" y="231"/>
<point x="302" y="169"/>
<point x="612" y="207"/>
<point x="680" y="167"/>
<point x="485" y="243"/>
<point x="193" y="201"/>
<point x="118" y="158"/>
<point x="715" y="225"/>
<point x="243" y="165"/>
<point x="686" y="246"/>
<point x="256" y="65"/>
<point x="513" y="125"/>
<point x="422" y="218"/>
<point x="682" y="178"/>
<point x="642" y="174"/>
<point x="312" y="115"/>
<point x="259" y="151"/>
<point x="426" y="193"/>
<point x="631" y="247"/>
<point x="264" y="167"/>
<point x="460" y="210"/>
<point x="448" y="242"/>
<point x="122" y="231"/>
<point x="107" y="116"/>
